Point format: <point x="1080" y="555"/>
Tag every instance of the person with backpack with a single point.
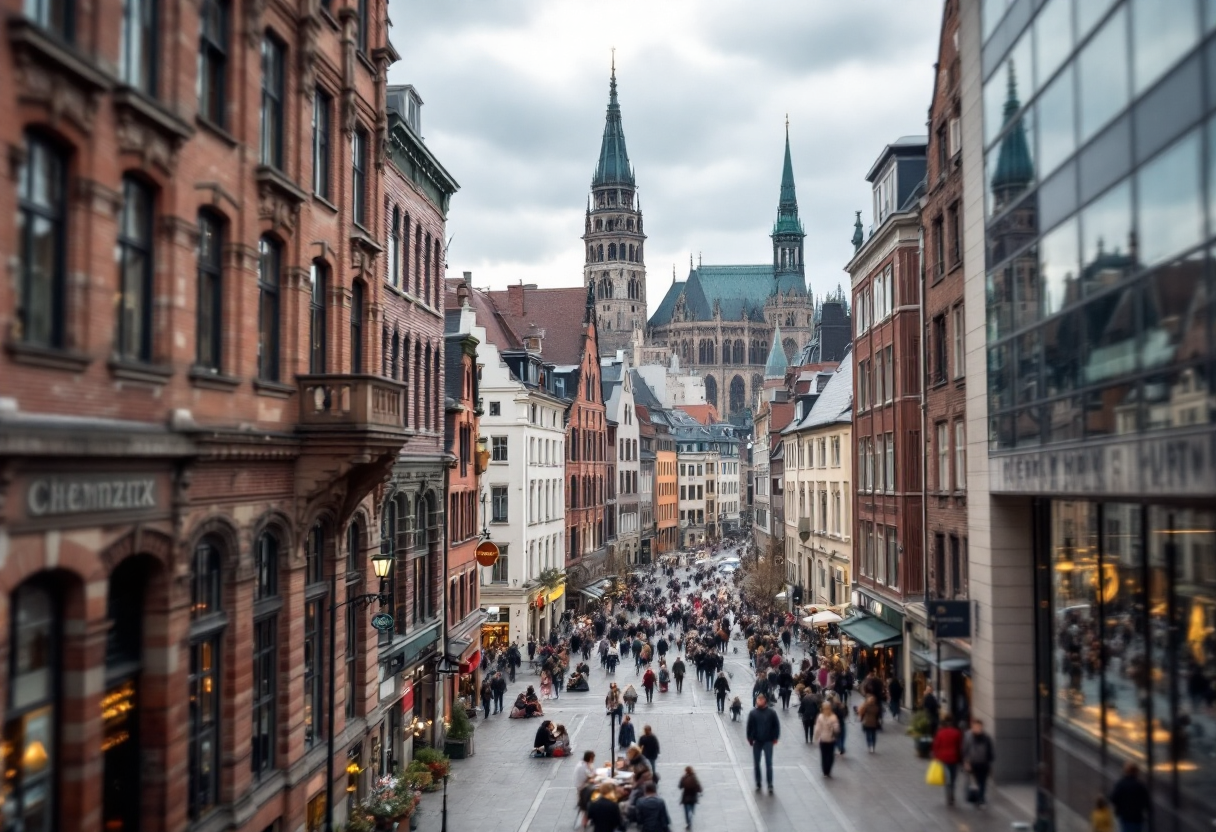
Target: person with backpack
<point x="870" y="714"/>
<point x="978" y="756"/>
<point x="690" y="793"/>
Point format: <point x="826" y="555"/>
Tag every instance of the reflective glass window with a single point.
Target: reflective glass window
<point x="1106" y="160"/>
<point x="1028" y="427"/>
<point x="1169" y="209"/>
<point x="1063" y="418"/>
<point x="1112" y="327"/>
<point x="1175" y="309"/>
<point x="1076" y="616"/>
<point x="1028" y="349"/>
<point x="1162" y="32"/>
<point x="1052" y="37"/>
<point x="1103" y="70"/>
<point x="1058" y="269"/>
<point x="999" y="303"/>
<point x="1057" y="127"/>
<point x="1012" y="79"/>
<point x="1063" y="352"/>
<point x="1107" y="244"/>
<point x="999" y="377"/>
<point x="1120" y="592"/>
<point x="1089" y="12"/>
<point x="1057" y="198"/>
<point x="1169" y="109"/>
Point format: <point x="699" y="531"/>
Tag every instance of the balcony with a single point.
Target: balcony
<point x="343" y="403"/>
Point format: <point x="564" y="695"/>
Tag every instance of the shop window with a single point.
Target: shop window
<point x="206" y="633"/>
<point x="120" y="703"/>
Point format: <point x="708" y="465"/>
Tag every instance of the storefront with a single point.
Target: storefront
<point x="878" y="645"/>
<point x="1127" y="653"/>
<point x="496" y="630"/>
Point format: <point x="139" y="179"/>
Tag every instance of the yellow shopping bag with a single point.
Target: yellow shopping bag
<point x="936" y="775"/>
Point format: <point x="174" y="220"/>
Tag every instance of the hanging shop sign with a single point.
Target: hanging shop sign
<point x="382" y="621"/>
<point x="487" y="553"/>
<point x="950" y="619"/>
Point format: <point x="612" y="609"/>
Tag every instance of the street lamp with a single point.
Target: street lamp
<point x="382" y="563"/>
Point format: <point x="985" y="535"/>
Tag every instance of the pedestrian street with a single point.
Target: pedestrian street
<point x="502" y="789"/>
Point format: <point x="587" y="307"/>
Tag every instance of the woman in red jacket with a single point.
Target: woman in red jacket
<point x="948" y="750"/>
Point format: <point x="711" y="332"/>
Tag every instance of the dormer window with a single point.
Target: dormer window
<point x="884" y="195"/>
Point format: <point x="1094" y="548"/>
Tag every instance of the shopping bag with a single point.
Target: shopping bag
<point x="936" y="775"/>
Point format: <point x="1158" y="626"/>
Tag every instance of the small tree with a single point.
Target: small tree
<point x="551" y="578"/>
<point x="763" y="577"/>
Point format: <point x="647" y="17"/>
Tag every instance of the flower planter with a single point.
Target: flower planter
<point x="458" y="749"/>
<point x="923" y="746"/>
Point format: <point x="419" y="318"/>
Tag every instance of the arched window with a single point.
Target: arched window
<point x="711" y="391"/>
<point x="265" y="652"/>
<point x="319" y="284"/>
<point x="418" y="259"/>
<point x="394" y="248"/>
<point x="738" y="395"/>
<point x="356" y="327"/>
<point x="31" y="725"/>
<point x="206" y="635"/>
<point x="425" y="289"/>
<point x="426" y="374"/>
<point x="612" y="251"/>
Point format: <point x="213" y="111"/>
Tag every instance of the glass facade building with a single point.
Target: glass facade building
<point x="1099" y="166"/>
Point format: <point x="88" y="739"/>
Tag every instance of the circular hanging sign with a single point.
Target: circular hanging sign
<point x="487" y="553"/>
<point x="382" y="621"/>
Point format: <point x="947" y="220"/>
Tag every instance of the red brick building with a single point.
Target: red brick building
<point x="564" y="320"/>
<point x="191" y="423"/>
<point x="888" y="574"/>
<point x="945" y="392"/>
<point x="463" y="615"/>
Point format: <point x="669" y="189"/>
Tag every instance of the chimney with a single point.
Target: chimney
<point x="463" y="290"/>
<point x="515" y="300"/>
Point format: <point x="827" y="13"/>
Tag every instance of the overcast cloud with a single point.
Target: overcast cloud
<point x="515" y="93"/>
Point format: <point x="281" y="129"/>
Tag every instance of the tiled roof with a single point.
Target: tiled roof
<point x="559" y="312"/>
<point x="643" y="396"/>
<point x="835" y="403"/>
<point x="662" y="315"/>
<point x="498" y="332"/>
<point x="740" y="292"/>
<point x="706" y="414"/>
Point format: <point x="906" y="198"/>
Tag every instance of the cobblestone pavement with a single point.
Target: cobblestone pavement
<point x="502" y="789"/>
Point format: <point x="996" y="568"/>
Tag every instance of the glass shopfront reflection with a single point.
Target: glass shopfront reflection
<point x="1133" y="647"/>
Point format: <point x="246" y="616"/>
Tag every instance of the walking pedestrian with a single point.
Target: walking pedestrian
<point x="626" y="735"/>
<point x="948" y="750"/>
<point x="612" y="702"/>
<point x="649" y="744"/>
<point x="895" y="692"/>
<point x="760" y="688"/>
<point x="514" y="660"/>
<point x="870" y="714"/>
<point x="1130" y="800"/>
<point x="531" y="648"/>
<point x="763" y="732"/>
<point x="487" y="697"/>
<point x="827" y="727"/>
<point x="721" y="688"/>
<point x="978" y="756"/>
<point x="932" y="709"/>
<point x="650" y="811"/>
<point x="648" y="682"/>
<point x="808" y="712"/>
<point x="630" y="696"/>
<point x="690" y="793"/>
<point x="499" y="688"/>
<point x="677" y="673"/>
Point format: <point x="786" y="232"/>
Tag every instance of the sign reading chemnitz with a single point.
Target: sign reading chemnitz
<point x="52" y="496"/>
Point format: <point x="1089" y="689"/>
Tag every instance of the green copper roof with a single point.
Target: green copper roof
<point x="1014" y="169"/>
<point x="613" y="167"/>
<point x="776" y="365"/>
<point x="858" y="237"/>
<point x="787" y="206"/>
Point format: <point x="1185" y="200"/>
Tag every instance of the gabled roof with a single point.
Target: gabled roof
<point x="834" y="405"/>
<point x="559" y="312"/>
<point x="740" y="292"/>
<point x="706" y="414"/>
<point x="498" y="331"/>
<point x="643" y="396"/>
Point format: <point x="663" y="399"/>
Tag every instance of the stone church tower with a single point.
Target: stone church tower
<point x="615" y="269"/>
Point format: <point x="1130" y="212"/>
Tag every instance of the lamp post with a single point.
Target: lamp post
<point x="613" y="716"/>
<point x="444" y="826"/>
<point x="381" y="564"/>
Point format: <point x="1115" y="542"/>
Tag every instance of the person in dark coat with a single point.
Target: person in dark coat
<point x="650" y="811"/>
<point x="785" y="684"/>
<point x="603" y="812"/>
<point x="690" y="793"/>
<point x="677" y="673"/>
<point x="721" y="688"/>
<point x="763" y="732"/>
<point x="808" y="712"/>
<point x="498" y="686"/>
<point x="487" y="696"/>
<point x="1130" y="800"/>
<point x="649" y="744"/>
<point x="626" y="735"/>
<point x="895" y="690"/>
<point x="760" y="688"/>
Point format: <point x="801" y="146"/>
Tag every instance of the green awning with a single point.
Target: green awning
<point x="872" y="632"/>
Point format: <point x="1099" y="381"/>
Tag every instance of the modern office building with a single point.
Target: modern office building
<point x="1090" y="210"/>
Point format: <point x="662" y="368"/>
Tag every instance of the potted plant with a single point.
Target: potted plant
<point x="919" y="731"/>
<point x="390" y="801"/>
<point x="436" y="761"/>
<point x="419" y="776"/>
<point x="459" y="742"/>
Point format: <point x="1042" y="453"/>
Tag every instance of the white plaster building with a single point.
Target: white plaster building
<point x="621" y="409"/>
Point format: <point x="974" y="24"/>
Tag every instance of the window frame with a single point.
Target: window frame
<point x="209" y="309"/>
<point x="269" y="295"/>
<point x="127" y="245"/>
<point x="358" y="178"/>
<point x="41" y="14"/>
<point x="357" y="302"/>
<point x="318" y="323"/>
<point x="273" y="94"/>
<point x="141" y="77"/>
<point x="30" y="212"/>
<point x="498" y="443"/>
<point x="208" y="622"/>
<point x="499" y="504"/>
<point x="322" y="152"/>
<point x="958" y="322"/>
<point x="960" y="455"/>
<point x="213" y="61"/>
<point x="943" y="457"/>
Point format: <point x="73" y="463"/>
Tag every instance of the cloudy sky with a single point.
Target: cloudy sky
<point x="515" y="93"/>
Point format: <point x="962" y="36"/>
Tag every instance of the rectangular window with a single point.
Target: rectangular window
<point x="500" y="572"/>
<point x="41" y="228"/>
<point x="319" y="279"/>
<point x="498" y="497"/>
<point x="959" y="334"/>
<point x="939" y="565"/>
<point x="879" y="295"/>
<point x="943" y="457"/>
<point x="835" y="451"/>
<point x="204" y="745"/>
<point x="137" y="59"/>
<point x="352" y="661"/>
<point x="322" y="106"/>
<point x="879" y="377"/>
<point x="272" y="103"/>
<point x="313" y="673"/>
<point x="956" y="235"/>
<point x="939" y="248"/>
<point x="356" y="327"/>
<point x="891" y="462"/>
<point x="498" y="446"/>
<point x="939" y="349"/>
<point x="955" y="567"/>
<point x="208" y="328"/>
<point x="889" y="371"/>
<point x="960" y="456"/>
<point x="358" y="180"/>
<point x="268" y="309"/>
<point x="213" y="61"/>
<point x="56" y="16"/>
<point x="495" y="409"/>
<point x="265" y="669"/>
<point x="135" y="263"/>
<point x="892" y="558"/>
<point x="880" y="571"/>
<point x="882" y="444"/>
<point x="364" y="26"/>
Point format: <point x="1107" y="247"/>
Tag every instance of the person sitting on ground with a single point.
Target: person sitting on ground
<point x="533" y="704"/>
<point x="561" y="742"/>
<point x="542" y="745"/>
<point x="520" y="709"/>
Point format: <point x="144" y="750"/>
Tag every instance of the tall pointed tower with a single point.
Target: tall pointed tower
<point x="615" y="267"/>
<point x="788" y="269"/>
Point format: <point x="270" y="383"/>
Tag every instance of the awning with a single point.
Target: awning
<point x="456" y="648"/>
<point x="557" y="593"/>
<point x="471" y="664"/>
<point x="948" y="663"/>
<point x="871" y="632"/>
<point x="595" y="591"/>
<point x="780" y="596"/>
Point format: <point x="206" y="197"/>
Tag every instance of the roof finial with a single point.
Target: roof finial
<point x="698" y="259"/>
<point x="787" y="125"/>
<point x="614" y="63"/>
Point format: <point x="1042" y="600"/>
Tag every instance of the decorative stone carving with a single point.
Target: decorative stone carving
<point x="64" y="100"/>
<point x="141" y="140"/>
<point x="310" y="28"/>
<point x="98" y="197"/>
<point x="253" y="22"/>
<point x="273" y="206"/>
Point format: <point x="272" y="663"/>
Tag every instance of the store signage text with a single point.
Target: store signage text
<point x="53" y="496"/>
<point x="1177" y="465"/>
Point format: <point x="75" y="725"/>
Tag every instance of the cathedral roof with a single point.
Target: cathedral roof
<point x="777" y="364"/>
<point x="787" y="205"/>
<point x="740" y="292"/>
<point x="613" y="167"/>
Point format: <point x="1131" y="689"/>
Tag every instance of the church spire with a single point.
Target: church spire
<point x="789" y="200"/>
<point x="1014" y="167"/>
<point x="613" y="167"/>
<point x="788" y="268"/>
<point x="777" y="364"/>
